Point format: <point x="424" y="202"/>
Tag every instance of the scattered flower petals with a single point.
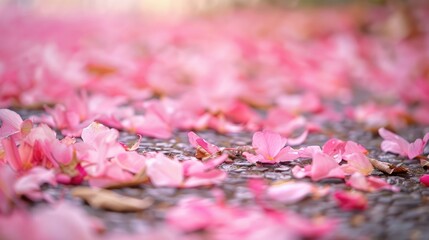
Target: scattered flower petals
<point x="369" y="184"/>
<point x="396" y="144"/>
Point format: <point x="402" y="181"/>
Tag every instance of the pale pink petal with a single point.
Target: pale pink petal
<point x="268" y="143"/>
<point x="393" y="143"/>
<point x="254" y="158"/>
<point x="308" y="152"/>
<point x="286" y="154"/>
<point x="425" y="138"/>
<point x="324" y="166"/>
<point x="10" y="123"/>
<point x="334" y="147"/>
<point x="351" y="200"/>
<point x="301" y="172"/>
<point x="199" y="209"/>
<point x="370" y="184"/>
<point x="415" y="149"/>
<point x="193" y="166"/>
<point x="357" y="162"/>
<point x="214" y="176"/>
<point x="165" y="172"/>
<point x="66" y="222"/>
<point x="97" y="134"/>
<point x="196" y="141"/>
<point x="298" y="140"/>
<point x="131" y="161"/>
<point x="289" y="192"/>
<point x="29" y="184"/>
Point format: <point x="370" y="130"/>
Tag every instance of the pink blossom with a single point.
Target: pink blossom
<point x="351" y="200"/>
<point x="270" y="148"/>
<point x="396" y="144"/>
<point x="369" y="184"/>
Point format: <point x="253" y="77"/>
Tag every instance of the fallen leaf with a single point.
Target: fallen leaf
<point x="388" y="168"/>
<point x="138" y="179"/>
<point x="109" y="200"/>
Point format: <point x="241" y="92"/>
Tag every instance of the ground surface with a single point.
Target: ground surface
<point x="402" y="215"/>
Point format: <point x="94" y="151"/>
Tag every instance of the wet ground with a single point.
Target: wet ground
<point x="401" y="215"/>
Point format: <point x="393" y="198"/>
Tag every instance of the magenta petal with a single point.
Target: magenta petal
<point x="425" y="180"/>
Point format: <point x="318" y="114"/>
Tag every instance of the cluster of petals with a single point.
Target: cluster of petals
<point x="270" y="147"/>
<point x="326" y="160"/>
<point x="396" y="144"/>
<point x="222" y="221"/>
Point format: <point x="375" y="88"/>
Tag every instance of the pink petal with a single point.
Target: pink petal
<point x="425" y="180"/>
<point x="393" y="143"/>
<point x="415" y="149"/>
<point x="254" y="158"/>
<point x="351" y="200"/>
<point x="268" y="143"/>
<point x="131" y="161"/>
<point x="29" y="184"/>
<point x="325" y="166"/>
<point x="289" y="192"/>
<point x="308" y="152"/>
<point x="298" y="140"/>
<point x="199" y="209"/>
<point x="7" y="193"/>
<point x="10" y="123"/>
<point x="301" y="172"/>
<point x="357" y="162"/>
<point x="334" y="147"/>
<point x="196" y="141"/>
<point x="370" y="184"/>
<point x="286" y="154"/>
<point x="214" y="176"/>
<point x="165" y="172"/>
<point x="12" y="155"/>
